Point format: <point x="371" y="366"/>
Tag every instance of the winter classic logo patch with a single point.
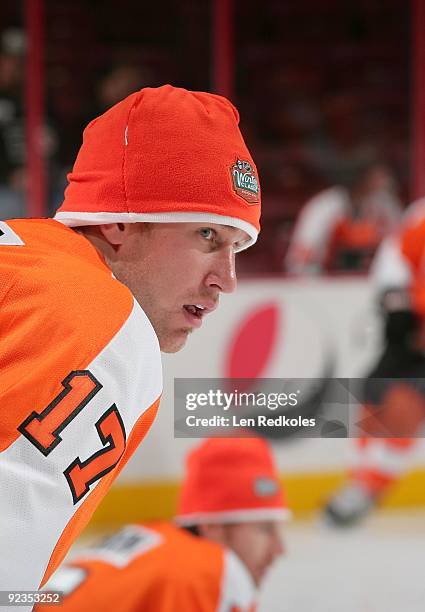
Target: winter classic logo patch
<point x="265" y="487"/>
<point x="245" y="181"/>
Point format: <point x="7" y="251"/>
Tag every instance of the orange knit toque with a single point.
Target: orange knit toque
<point x="231" y="480"/>
<point x="164" y="155"/>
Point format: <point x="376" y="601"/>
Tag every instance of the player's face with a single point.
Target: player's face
<point x="256" y="544"/>
<point x="177" y="271"/>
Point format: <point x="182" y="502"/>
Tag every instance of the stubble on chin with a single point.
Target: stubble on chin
<point x="174" y="342"/>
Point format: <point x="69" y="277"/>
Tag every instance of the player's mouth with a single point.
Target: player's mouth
<point x="194" y="313"/>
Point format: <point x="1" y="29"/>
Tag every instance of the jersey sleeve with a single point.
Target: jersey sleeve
<point x="80" y="385"/>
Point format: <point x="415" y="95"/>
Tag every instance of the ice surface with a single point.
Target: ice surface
<point x="378" y="566"/>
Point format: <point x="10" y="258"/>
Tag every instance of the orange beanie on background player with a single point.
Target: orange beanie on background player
<point x="229" y="481"/>
<point x="229" y="519"/>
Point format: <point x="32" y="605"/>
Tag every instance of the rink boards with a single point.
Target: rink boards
<point x="303" y="326"/>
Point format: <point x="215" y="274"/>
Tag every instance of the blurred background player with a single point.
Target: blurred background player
<point x="394" y="392"/>
<point x="227" y="533"/>
<point x="341" y="227"/>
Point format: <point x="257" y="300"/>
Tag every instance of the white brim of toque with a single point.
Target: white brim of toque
<point x="76" y="219"/>
<point x="234" y="516"/>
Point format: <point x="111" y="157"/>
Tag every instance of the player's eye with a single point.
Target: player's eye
<point x="208" y="233"/>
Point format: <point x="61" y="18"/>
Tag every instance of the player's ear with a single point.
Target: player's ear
<point x="116" y="233"/>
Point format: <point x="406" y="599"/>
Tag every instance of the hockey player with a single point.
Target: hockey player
<point x="394" y="392"/>
<point x="341" y="227"/>
<point x="227" y="534"/>
<point x="162" y="195"/>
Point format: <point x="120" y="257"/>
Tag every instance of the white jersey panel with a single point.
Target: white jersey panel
<point x="36" y="502"/>
<point x="315" y="225"/>
<point x="319" y="217"/>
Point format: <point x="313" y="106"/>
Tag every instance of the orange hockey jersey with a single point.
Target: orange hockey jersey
<point x="330" y="233"/>
<point x="157" y="568"/>
<point x="80" y="380"/>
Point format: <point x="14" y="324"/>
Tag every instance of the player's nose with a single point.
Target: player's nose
<point x="222" y="274"/>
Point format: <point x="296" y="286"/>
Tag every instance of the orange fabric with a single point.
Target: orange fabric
<point x="412" y="240"/>
<point x="165" y="150"/>
<point x="42" y="431"/>
<point x="412" y="245"/>
<point x="184" y="573"/>
<point x="373" y="480"/>
<point x="85" y="511"/>
<point x="50" y="323"/>
<point x="358" y="234"/>
<point x="110" y="427"/>
<point x="230" y="474"/>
